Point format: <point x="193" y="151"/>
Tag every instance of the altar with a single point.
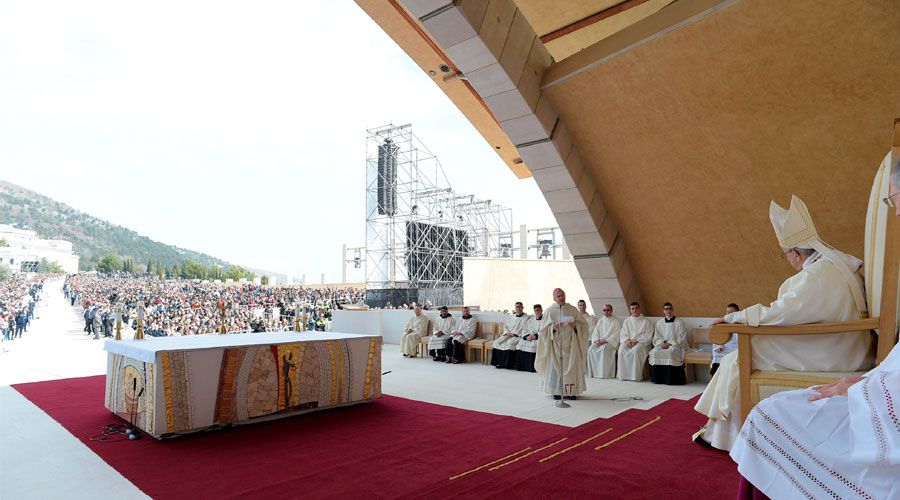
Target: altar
<point x="179" y="385"/>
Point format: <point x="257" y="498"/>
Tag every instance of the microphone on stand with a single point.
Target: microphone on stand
<point x="560" y="403"/>
<point x="132" y="431"/>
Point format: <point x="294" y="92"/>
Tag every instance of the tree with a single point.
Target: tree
<point x="149" y="266"/>
<point x="5" y="272"/>
<point x="159" y="270"/>
<point x="109" y="263"/>
<point x="264" y="280"/>
<point x="191" y="269"/>
<point x="47" y="266"/>
<point x="238" y="273"/>
<point x="3" y="243"/>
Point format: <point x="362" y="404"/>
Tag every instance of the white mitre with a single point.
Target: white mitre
<point x="795" y="229"/>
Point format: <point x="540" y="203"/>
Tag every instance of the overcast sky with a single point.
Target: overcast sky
<point x="231" y="128"/>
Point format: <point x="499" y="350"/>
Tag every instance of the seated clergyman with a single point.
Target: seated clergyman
<point x="463" y="331"/>
<point x="414" y="330"/>
<point x="604" y="344"/>
<point x="840" y="440"/>
<point x="527" y="346"/>
<point x="634" y="344"/>
<point x="440" y="335"/>
<point x="667" y="356"/>
<point x="719" y="351"/>
<point x="503" y="354"/>
<point x="826" y="288"/>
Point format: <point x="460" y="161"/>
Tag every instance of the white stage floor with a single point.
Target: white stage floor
<point x="31" y="443"/>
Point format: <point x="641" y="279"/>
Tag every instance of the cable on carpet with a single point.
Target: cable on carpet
<point x="111" y="433"/>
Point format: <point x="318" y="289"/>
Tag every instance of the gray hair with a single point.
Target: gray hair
<point x="802" y="251"/>
<point x="895" y="172"/>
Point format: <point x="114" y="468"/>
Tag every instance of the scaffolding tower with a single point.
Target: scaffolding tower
<point x="417" y="228"/>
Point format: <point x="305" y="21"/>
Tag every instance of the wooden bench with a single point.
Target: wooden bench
<point x="484" y="332"/>
<point x="697" y="336"/>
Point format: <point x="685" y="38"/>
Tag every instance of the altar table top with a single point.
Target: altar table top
<point x="146" y="349"/>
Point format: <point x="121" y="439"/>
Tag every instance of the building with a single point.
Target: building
<point x="22" y="250"/>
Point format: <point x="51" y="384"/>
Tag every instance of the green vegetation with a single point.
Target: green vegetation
<point x="3" y="242"/>
<point x="48" y="266"/>
<point x="104" y="246"/>
<point x="5" y="272"/>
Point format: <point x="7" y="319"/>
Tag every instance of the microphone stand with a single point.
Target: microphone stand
<point x="560" y="403"/>
<point x="132" y="432"/>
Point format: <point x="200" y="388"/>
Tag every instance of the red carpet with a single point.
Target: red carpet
<point x="401" y="448"/>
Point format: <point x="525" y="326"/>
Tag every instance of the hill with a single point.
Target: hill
<point x="92" y="238"/>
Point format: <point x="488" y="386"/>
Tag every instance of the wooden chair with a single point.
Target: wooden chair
<point x="423" y="342"/>
<point x="882" y="302"/>
<point x="484" y="332"/>
<point x="697" y="336"/>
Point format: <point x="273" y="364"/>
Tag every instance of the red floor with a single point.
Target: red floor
<point x="396" y="447"/>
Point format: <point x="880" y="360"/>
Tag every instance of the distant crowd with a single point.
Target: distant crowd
<point x="19" y="294"/>
<point x="190" y="307"/>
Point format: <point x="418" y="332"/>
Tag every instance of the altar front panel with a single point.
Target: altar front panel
<point x="184" y="391"/>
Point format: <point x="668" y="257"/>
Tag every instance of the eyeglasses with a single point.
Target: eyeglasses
<point x="889" y="201"/>
<point x="786" y="252"/>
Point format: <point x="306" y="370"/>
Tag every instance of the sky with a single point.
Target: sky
<point x="232" y="128"/>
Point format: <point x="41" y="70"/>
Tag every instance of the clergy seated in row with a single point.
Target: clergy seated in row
<point x="463" y="330"/>
<point x="562" y="343"/>
<point x="669" y="344"/>
<point x="719" y="351"/>
<point x="840" y="440"/>
<point x="635" y="340"/>
<point x="604" y="345"/>
<point x="527" y="346"/>
<point x="503" y="353"/>
<point x="440" y="333"/>
<point x="415" y="329"/>
<point x="826" y="288"/>
<point x="590" y="318"/>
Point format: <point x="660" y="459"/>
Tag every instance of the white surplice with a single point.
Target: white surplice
<point x="601" y="359"/>
<point x="562" y="350"/>
<point x="415" y="329"/>
<point x="532" y="327"/>
<point x="675" y="334"/>
<point x="839" y="447"/>
<point x="727" y="347"/>
<point x="442" y="325"/>
<point x="818" y="293"/>
<point x="515" y="326"/>
<point x="631" y="359"/>
<point x="465" y="327"/>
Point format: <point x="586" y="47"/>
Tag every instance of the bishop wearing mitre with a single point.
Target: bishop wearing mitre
<point x="562" y="342"/>
<point x="826" y="288"/>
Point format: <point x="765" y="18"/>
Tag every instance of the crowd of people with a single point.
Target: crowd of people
<point x="190" y="307"/>
<point x="19" y="294"/>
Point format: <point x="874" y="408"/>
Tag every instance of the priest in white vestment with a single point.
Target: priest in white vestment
<point x="840" y="440"/>
<point x="463" y="331"/>
<point x="635" y="340"/>
<point x="527" y="346"/>
<point x="503" y="351"/>
<point x="440" y="335"/>
<point x="590" y="318"/>
<point x="669" y="344"/>
<point x="826" y="288"/>
<point x="415" y="329"/>
<point x="561" y="349"/>
<point x="604" y="344"/>
<point x="720" y="351"/>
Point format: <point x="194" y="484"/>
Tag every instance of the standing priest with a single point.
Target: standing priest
<point x="415" y="329"/>
<point x="669" y="344"/>
<point x="503" y="352"/>
<point x="561" y="349"/>
<point x="604" y="344"/>
<point x="634" y="344"/>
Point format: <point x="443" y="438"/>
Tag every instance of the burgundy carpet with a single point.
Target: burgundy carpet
<point x="396" y="447"/>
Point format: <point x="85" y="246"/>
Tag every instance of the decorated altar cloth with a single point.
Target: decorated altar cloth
<point x="178" y="385"/>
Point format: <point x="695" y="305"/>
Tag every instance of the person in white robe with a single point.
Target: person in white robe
<point x="440" y="335"/>
<point x="562" y="345"/>
<point x="415" y="329"/>
<point x="720" y="351"/>
<point x="604" y="344"/>
<point x="463" y="331"/>
<point x="840" y="440"/>
<point x="503" y="351"/>
<point x="590" y="318"/>
<point x="635" y="340"/>
<point x="826" y="288"/>
<point x="669" y="344"/>
<point x="527" y="346"/>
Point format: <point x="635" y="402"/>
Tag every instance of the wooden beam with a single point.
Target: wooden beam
<point x="591" y="19"/>
<point x="668" y="18"/>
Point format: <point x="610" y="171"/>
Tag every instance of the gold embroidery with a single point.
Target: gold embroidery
<point x="368" y="381"/>
<point x="167" y="388"/>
